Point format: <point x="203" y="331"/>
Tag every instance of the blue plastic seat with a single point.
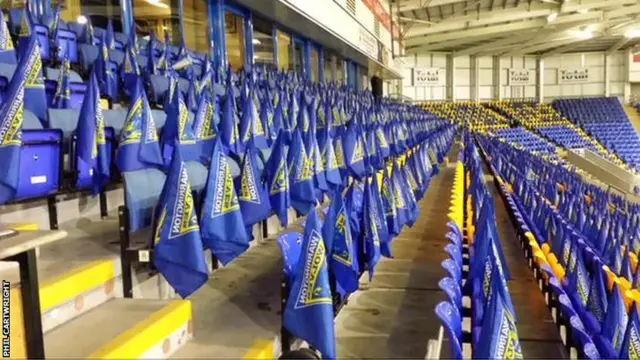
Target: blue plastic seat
<point x="453" y="291"/>
<point x="452" y="324"/>
<point x="142" y="191"/>
<point x="69" y="40"/>
<point x="40" y="159"/>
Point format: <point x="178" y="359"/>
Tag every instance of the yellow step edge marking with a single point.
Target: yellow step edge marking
<point x="134" y="342"/>
<point x="261" y="349"/>
<point x="24" y="226"/>
<point x="71" y="284"/>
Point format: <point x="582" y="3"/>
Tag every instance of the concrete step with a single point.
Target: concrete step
<point x="81" y="271"/>
<point x="125" y="329"/>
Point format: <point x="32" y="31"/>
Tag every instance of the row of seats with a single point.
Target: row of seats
<point x="605" y="120"/>
<point x="527" y="140"/>
<point x="477" y="116"/>
<point x="547" y="122"/>
<point x="124" y="59"/>
<point x="492" y="332"/>
<point x="545" y="267"/>
<point x="592" y="284"/>
<point x="375" y="209"/>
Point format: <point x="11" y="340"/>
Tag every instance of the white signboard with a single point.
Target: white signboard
<point x="520" y="77"/>
<point x="368" y="43"/>
<point x="426" y="77"/>
<point x="573" y="76"/>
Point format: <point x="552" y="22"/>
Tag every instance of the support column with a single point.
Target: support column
<point x="607" y="75"/>
<point x="451" y="77"/>
<point x="540" y="80"/>
<point x="127" y="16"/>
<point x="497" y="85"/>
<point x="219" y="40"/>
<point x="248" y="40"/>
<point x="475" y="78"/>
<point x="628" y="60"/>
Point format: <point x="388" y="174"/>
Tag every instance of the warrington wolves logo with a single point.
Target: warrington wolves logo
<point x="311" y="293"/>
<point x="224" y="199"/>
<point x="184" y="216"/>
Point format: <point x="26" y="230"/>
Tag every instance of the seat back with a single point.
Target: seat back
<point x="452" y="325"/>
<point x="42" y="32"/>
<point x="115" y="118"/>
<point x="453" y="291"/>
<point x="40" y="162"/>
<point x="84" y="172"/>
<point x="453" y="270"/>
<point x="142" y="191"/>
<point x="455" y="254"/>
<point x="87" y="55"/>
<point x="69" y="40"/>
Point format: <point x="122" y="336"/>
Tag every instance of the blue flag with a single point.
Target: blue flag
<point x="91" y="141"/>
<point x="354" y="152"/>
<point x="178" y="126"/>
<point x="6" y="44"/>
<point x="277" y="174"/>
<point x="228" y="127"/>
<point x="370" y="235"/>
<point x="615" y="321"/>
<point x="11" y="111"/>
<point x="251" y="126"/>
<point x="35" y="99"/>
<point x="380" y="218"/>
<point x="62" y="96"/>
<point x="204" y="125"/>
<point x="132" y="39"/>
<point x="193" y="93"/>
<point x="110" y="38"/>
<point x="253" y="195"/>
<point x="139" y="147"/>
<point x="130" y="69"/>
<point x="336" y="233"/>
<point x="389" y="203"/>
<point x="178" y="251"/>
<point x="107" y="78"/>
<point x="314" y="155"/>
<point x="222" y="226"/>
<point x="152" y="68"/>
<point x="630" y="348"/>
<point x="26" y="26"/>
<point x="308" y="314"/>
<point x="597" y="302"/>
<point x="498" y="335"/>
<point x="403" y="212"/>
<point x="300" y="176"/>
<point x="331" y="166"/>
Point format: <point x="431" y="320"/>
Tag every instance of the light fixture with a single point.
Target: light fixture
<point x="256" y="41"/>
<point x="632" y="33"/>
<point x="81" y="19"/>
<point x="584" y="35"/>
<point x="552" y="17"/>
<point x="583" y="10"/>
<point x="158" y="3"/>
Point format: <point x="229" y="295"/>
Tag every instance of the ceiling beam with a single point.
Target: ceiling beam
<point x="524" y="11"/>
<point x="484" y="48"/>
<point x="409" y="5"/>
<point x="574" y="20"/>
<point x="573" y="44"/>
<point x="622" y="42"/>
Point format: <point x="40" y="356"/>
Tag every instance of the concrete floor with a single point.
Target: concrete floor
<point x="393" y="316"/>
